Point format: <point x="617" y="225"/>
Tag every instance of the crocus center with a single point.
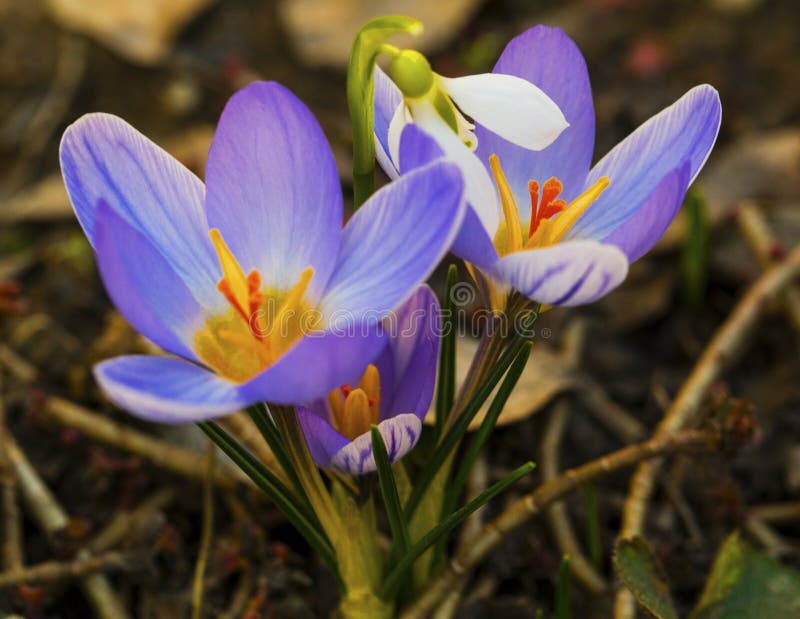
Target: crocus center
<point x="355" y="410"/>
<point x="260" y="324"/>
<point x="551" y="217"/>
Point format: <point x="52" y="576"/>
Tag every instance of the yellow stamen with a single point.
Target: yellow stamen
<point x="354" y="411"/>
<point x="356" y="416"/>
<point x="288" y="311"/>
<point x="551" y="231"/>
<point x="510" y="213"/>
<point x="371" y="384"/>
<point x="232" y="273"/>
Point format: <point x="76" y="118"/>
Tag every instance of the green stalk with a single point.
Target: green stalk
<point x="361" y="95"/>
<point x="391" y="498"/>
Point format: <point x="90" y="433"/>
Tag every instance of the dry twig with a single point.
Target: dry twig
<point x="52" y="519"/>
<point x="531" y="505"/>
<point x="768" y="250"/>
<point x="727" y="343"/>
<point x="161" y="453"/>
<point x="12" y="521"/>
<point x="556" y="515"/>
<point x="57" y="571"/>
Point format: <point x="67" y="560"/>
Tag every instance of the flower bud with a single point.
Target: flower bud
<point x="412" y="73"/>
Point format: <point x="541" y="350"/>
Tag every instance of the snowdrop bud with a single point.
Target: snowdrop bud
<point x="412" y="73"/>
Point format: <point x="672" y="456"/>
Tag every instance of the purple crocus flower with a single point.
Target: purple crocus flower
<point x="565" y="232"/>
<point x="250" y="281"/>
<point x="394" y="392"/>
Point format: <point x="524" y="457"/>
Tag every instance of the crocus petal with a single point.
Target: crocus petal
<point x="685" y="131"/>
<point x="388" y="99"/>
<point x="317" y="363"/>
<point x="393" y="243"/>
<point x="321" y="437"/>
<point x="511" y="107"/>
<point x="643" y="229"/>
<point x="569" y="273"/>
<point x="166" y="389"/>
<point x="272" y="187"/>
<point x="549" y="59"/>
<point x="104" y="158"/>
<point x="143" y="286"/>
<point x="415" y="329"/>
<point x="473" y="242"/>
<point x="399" y="433"/>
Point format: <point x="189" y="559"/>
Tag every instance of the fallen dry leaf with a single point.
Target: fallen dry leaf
<point x="322" y="31"/>
<point x="546" y="375"/>
<point x="141" y="31"/>
<point x="759" y="166"/>
<point x="47" y="200"/>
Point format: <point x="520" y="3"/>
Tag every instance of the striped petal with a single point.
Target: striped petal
<point x="272" y="187"/>
<point x="685" y="131"/>
<point x="103" y="158"/>
<point x="548" y="58"/>
<point x="167" y="390"/>
<point x="144" y="286"/>
<point x="399" y="433"/>
<point x="569" y="273"/>
<point x="393" y="243"/>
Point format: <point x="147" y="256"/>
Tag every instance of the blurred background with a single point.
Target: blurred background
<point x="168" y="66"/>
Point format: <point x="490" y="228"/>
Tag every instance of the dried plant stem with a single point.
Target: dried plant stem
<point x="767" y="249"/>
<point x="777" y="512"/>
<point x="12" y="520"/>
<point x="52" y="519"/>
<point x="556" y="515"/>
<point x="161" y="453"/>
<point x="532" y="504"/>
<point x="124" y="523"/>
<point x="207" y="533"/>
<point x="727" y="343"/>
<point x="16" y="365"/>
<point x="56" y="571"/>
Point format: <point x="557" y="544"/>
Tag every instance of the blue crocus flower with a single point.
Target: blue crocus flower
<point x="562" y="232"/>
<point x="250" y="281"/>
<point x="393" y="391"/>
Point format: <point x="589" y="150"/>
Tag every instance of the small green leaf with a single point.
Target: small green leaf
<point x="746" y="584"/>
<point x="446" y="383"/>
<point x="398" y="573"/>
<point x="639" y="570"/>
<point x="490" y="421"/>
<point x="594" y="539"/>
<point x="563" y="595"/>
<point x="453" y="437"/>
<point x="391" y="498"/>
<point x="695" y="249"/>
<point x="361" y="94"/>
<point x="306" y="523"/>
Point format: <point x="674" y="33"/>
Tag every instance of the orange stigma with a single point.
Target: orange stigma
<point x="548" y="206"/>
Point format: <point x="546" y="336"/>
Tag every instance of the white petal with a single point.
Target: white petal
<point x="509" y="106"/>
<point x="399" y="120"/>
<point x="479" y="188"/>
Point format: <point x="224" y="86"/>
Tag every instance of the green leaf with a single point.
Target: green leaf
<point x="460" y="425"/>
<point x="746" y="584"/>
<point x="361" y="94"/>
<point x="563" y="595"/>
<point x="391" y="498"/>
<point x="446" y="383"/>
<point x="695" y="249"/>
<point x="594" y="540"/>
<point x="260" y="415"/>
<point x="307" y="524"/>
<point x="490" y="421"/>
<point x="398" y="574"/>
<point x="639" y="570"/>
